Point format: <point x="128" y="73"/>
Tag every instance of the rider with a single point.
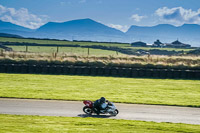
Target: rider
<point x="98" y="105"/>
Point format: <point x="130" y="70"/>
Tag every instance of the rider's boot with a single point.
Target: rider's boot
<point x="96" y="111"/>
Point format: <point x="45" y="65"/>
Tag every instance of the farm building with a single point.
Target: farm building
<point x="138" y="44"/>
<point x="178" y="44"/>
<point x="157" y="43"/>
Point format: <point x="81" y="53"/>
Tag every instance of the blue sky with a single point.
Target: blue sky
<point x="120" y="14"/>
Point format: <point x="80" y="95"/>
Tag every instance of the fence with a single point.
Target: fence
<point x="128" y="51"/>
<point x="100" y="71"/>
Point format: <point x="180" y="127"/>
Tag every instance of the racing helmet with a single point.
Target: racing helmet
<point x="102" y="100"/>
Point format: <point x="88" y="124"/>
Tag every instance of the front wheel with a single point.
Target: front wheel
<point x="115" y="112"/>
<point x="87" y="110"/>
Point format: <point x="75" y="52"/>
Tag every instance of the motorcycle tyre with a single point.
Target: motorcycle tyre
<point x="88" y="113"/>
<point x="116" y="112"/>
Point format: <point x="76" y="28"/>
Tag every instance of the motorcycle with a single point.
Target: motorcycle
<point x="109" y="109"/>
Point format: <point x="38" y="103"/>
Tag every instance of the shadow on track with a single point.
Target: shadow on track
<point x="94" y="116"/>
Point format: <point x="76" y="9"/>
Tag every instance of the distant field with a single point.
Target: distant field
<point x="125" y="90"/>
<point x="168" y="49"/>
<point x="52" y="124"/>
<point x="69" y="50"/>
<point x="4" y="39"/>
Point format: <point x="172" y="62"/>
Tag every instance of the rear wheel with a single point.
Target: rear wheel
<point x="87" y="110"/>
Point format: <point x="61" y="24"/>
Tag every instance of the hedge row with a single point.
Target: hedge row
<point x="97" y="71"/>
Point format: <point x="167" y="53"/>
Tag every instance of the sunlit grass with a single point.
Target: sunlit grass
<point x="50" y="124"/>
<point x="126" y="90"/>
<point x="68" y="50"/>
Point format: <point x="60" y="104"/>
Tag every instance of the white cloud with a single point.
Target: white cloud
<point x="137" y="17"/>
<point x="123" y="28"/>
<point x="22" y="17"/>
<point x="178" y="15"/>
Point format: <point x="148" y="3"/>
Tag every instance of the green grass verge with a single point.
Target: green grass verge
<point x="70" y="50"/>
<point x="126" y="90"/>
<point x="50" y="124"/>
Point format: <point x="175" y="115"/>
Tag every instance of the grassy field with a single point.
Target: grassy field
<point x="5" y="39"/>
<point x="69" y="50"/>
<point x="78" y="50"/>
<point x="44" y="124"/>
<point x="168" y="49"/>
<point x="126" y="90"/>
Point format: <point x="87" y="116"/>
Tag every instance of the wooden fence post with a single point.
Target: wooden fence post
<point x="88" y="51"/>
<point x="57" y="49"/>
<point x="26" y="48"/>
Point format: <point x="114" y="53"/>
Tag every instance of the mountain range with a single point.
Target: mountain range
<point x="88" y="29"/>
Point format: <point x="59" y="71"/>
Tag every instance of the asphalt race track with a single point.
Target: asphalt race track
<point x="126" y="111"/>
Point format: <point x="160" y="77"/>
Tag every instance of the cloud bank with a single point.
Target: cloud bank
<point x="178" y="15"/>
<point x="22" y="17"/>
<point x="137" y="17"/>
<point x="119" y="27"/>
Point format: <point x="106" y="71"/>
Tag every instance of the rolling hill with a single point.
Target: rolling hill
<point x="88" y="29"/>
<point x="81" y="29"/>
<point x="10" y="35"/>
